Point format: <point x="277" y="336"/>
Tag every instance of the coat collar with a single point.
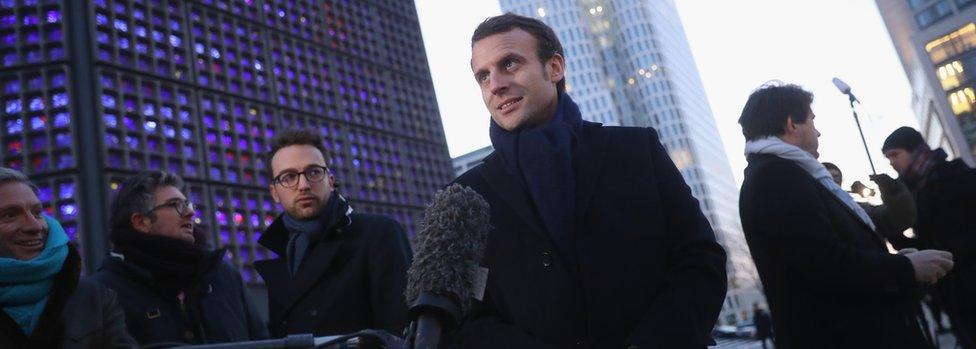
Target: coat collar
<point x="587" y="164"/>
<point x="757" y="160"/>
<point x="289" y="290"/>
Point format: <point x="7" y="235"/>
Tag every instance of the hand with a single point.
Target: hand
<point x="930" y="265"/>
<point x="905" y="251"/>
<point x="886" y="184"/>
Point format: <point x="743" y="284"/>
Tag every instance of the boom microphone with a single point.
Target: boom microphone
<point x="845" y="89"/>
<point x="445" y="272"/>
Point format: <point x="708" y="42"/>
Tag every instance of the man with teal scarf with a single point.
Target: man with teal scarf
<point x="44" y="303"/>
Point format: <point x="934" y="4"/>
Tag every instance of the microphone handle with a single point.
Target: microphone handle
<point x="428" y="332"/>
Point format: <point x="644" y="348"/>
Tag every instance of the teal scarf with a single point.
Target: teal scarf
<point x="25" y="285"/>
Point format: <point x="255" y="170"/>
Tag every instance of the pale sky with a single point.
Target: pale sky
<point x="738" y="45"/>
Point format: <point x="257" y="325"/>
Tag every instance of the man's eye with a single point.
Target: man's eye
<point x="481" y="78"/>
<point x="511" y="65"/>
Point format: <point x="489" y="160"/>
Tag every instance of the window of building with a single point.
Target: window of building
<point x="933" y="13"/>
<point x="951" y="75"/>
<point x="962" y="101"/>
<point x="916" y="3"/>
<point x="953" y="44"/>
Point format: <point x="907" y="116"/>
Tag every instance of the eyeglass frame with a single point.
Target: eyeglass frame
<point x="298" y="178"/>
<point x="176" y="205"/>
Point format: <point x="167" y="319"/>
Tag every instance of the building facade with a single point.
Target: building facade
<point x="629" y="63"/>
<point x="199" y="88"/>
<point x="936" y="42"/>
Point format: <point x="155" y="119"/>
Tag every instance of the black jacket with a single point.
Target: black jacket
<point x="217" y="309"/>
<point x="352" y="276"/>
<point x="78" y="314"/>
<point x="650" y="273"/>
<point x="946" y="201"/>
<point x="828" y="279"/>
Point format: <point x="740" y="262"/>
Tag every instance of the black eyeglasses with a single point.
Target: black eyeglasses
<point x="181" y="206"/>
<point x="312" y="174"/>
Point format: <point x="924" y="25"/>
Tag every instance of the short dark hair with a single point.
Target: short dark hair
<point x="770" y="105"/>
<point x="136" y="196"/>
<point x="295" y="136"/>
<point x="831" y="166"/>
<point x="546" y="41"/>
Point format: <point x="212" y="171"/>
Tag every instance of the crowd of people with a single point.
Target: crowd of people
<point x="596" y="240"/>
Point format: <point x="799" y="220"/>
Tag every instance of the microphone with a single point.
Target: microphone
<point x="445" y="273"/>
<point x="845" y="89"/>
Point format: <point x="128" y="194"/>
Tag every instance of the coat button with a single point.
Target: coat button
<point x="284" y="323"/>
<point x="313" y="312"/>
<point x="188" y="334"/>
<point x="547" y="259"/>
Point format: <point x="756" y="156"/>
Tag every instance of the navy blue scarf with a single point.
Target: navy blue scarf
<point x="542" y="157"/>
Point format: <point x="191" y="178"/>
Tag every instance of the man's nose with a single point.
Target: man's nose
<point x="498" y="83"/>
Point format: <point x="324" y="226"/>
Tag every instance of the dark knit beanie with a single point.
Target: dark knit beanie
<point x="903" y="138"/>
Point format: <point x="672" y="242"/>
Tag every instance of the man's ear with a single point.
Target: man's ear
<point x="556" y="67"/>
<point x="140" y="222"/>
<point x="274" y="193"/>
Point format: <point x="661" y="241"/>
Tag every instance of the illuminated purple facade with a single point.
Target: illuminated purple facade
<point x="199" y="87"/>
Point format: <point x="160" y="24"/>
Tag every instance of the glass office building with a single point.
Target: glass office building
<point x="936" y="42"/>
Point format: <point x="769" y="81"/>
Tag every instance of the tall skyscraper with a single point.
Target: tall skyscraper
<point x="629" y="63"/>
<point x="936" y="42"/>
<point x="93" y="91"/>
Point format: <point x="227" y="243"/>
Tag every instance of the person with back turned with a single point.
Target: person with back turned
<point x="945" y="194"/>
<point x="828" y="279"/>
<point x="45" y="302"/>
<point x="597" y="241"/>
<point x="337" y="271"/>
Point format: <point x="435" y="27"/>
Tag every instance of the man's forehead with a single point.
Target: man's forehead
<point x="167" y="193"/>
<point x="17" y="194"/>
<point x="515" y="41"/>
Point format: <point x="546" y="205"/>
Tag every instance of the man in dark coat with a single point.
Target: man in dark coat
<point x="337" y="271"/>
<point x="597" y="241"/>
<point x="172" y="288"/>
<point x="763" y="323"/>
<point x="45" y="304"/>
<point x="828" y="279"/>
<point x="945" y="194"/>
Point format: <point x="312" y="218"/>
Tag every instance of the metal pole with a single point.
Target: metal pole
<point x="859" y="130"/>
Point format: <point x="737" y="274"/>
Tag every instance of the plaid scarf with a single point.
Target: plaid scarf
<point x="923" y="160"/>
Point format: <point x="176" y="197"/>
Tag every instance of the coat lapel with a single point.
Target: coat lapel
<point x="507" y="186"/>
<point x="588" y="165"/>
<point x="876" y="235"/>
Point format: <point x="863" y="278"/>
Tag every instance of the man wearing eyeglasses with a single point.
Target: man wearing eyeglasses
<point x="337" y="271"/>
<point x="172" y="287"/>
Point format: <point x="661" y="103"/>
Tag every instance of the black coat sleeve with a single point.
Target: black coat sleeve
<point x="390" y="256"/>
<point x="796" y="228"/>
<point x="257" y="329"/>
<point x="115" y="334"/>
<point x="683" y="314"/>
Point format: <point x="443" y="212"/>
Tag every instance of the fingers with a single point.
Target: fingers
<point x="905" y="251"/>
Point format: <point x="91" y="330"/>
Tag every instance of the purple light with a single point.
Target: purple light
<point x="221" y="218"/>
<point x="62" y="119"/>
<point x="169" y="131"/>
<point x="45" y="194"/>
<point x="66" y="190"/>
<point x="53" y="16"/>
<point x="108" y="101"/>
<point x="15" y="126"/>
<point x="69" y="211"/>
<point x="113" y="142"/>
<point x="65" y="161"/>
<point x="63" y="140"/>
<point x="60" y="99"/>
<point x="37" y="123"/>
<point x="100" y="19"/>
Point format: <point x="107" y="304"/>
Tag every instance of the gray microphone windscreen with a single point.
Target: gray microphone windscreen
<point x="449" y="246"/>
<point x="843" y="87"/>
